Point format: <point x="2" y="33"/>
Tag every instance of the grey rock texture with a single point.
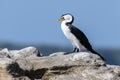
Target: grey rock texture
<point x="29" y="64"/>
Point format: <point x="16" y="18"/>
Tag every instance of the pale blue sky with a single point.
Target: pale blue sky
<point x="34" y="21"/>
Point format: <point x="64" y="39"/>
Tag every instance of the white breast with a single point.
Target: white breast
<point x="69" y="35"/>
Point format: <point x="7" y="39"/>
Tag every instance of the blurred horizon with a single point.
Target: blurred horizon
<point x="111" y="55"/>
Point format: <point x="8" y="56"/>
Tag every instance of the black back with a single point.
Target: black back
<point x="80" y="36"/>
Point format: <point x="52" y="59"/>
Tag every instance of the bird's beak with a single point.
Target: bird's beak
<point x="61" y="19"/>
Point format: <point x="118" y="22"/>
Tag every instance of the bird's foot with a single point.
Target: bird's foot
<point x="75" y="50"/>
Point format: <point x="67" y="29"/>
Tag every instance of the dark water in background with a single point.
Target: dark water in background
<point x="112" y="56"/>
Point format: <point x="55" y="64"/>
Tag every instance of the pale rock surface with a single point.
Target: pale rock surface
<point x="57" y="54"/>
<point x="4" y="53"/>
<point x="25" y="52"/>
<point x="26" y="64"/>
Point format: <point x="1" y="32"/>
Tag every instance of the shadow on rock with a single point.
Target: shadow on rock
<point x="16" y="71"/>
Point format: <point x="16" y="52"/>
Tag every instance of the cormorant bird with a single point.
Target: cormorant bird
<point x="75" y="36"/>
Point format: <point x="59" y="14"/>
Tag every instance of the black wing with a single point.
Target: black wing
<point x="83" y="39"/>
<point x="81" y="36"/>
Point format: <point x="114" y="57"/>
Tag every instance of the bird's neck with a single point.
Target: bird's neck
<point x="65" y="27"/>
<point x="65" y="24"/>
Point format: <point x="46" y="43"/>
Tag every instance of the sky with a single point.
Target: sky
<point x="34" y="21"/>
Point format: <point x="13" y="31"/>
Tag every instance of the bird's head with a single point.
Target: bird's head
<point x="67" y="18"/>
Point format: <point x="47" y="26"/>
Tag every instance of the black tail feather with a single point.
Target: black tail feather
<point x="94" y="52"/>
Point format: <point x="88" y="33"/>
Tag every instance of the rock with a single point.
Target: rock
<point x="26" y="52"/>
<point x="25" y="64"/>
<point x="4" y="74"/>
<point x="9" y="62"/>
<point x="15" y="54"/>
<point x="4" y="53"/>
<point x="57" y="54"/>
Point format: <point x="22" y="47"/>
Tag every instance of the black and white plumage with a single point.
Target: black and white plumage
<point x="75" y="36"/>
